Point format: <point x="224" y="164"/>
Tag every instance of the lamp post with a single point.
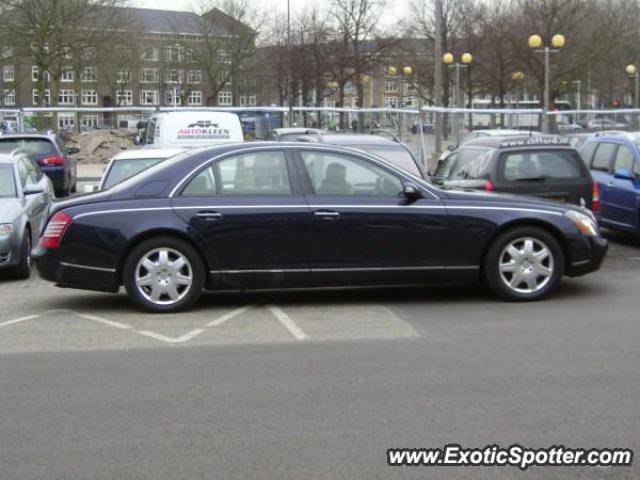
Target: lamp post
<point x="405" y="72"/>
<point x="557" y="42"/>
<point x="517" y="78"/>
<point x="633" y="72"/>
<point x="449" y="60"/>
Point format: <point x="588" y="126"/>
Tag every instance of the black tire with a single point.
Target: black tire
<point x="23" y="270"/>
<point x="498" y="284"/>
<point x="74" y="188"/>
<point x="196" y="265"/>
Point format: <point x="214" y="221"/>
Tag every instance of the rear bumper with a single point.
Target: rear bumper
<point x="596" y="249"/>
<point x="57" y="175"/>
<point x="70" y="275"/>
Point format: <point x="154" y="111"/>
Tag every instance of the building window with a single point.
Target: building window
<point x="124" y="97"/>
<point x="35" y="74"/>
<point x="243" y="100"/>
<point x="89" y="120"/>
<point x="150" y="54"/>
<point x="66" y="97"/>
<point x="169" y="98"/>
<point x="195" y="98"/>
<point x="88" y="74"/>
<point x="7" y="52"/>
<point x="9" y="97"/>
<point x="123" y="75"/>
<point x="173" y="76"/>
<point x="149" y="97"/>
<point x="390" y="102"/>
<point x="410" y="101"/>
<point x="66" y="120"/>
<point x="224" y="57"/>
<point x="9" y="73"/>
<point x="67" y="75"/>
<point x="36" y="97"/>
<point x="194" y="76"/>
<point x="225" y="98"/>
<point x="390" y="86"/>
<point x="172" y="54"/>
<point x="149" y="75"/>
<point x="89" y="97"/>
<point x="252" y="100"/>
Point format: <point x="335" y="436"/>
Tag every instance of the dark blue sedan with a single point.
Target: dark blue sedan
<point x="274" y="215"/>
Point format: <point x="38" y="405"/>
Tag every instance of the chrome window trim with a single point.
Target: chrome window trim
<point x="88" y="267"/>
<point x="348" y="269"/>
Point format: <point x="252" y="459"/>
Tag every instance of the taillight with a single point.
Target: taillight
<point x="55" y="230"/>
<point x="488" y="186"/>
<point x="595" y="198"/>
<point x="55" y="160"/>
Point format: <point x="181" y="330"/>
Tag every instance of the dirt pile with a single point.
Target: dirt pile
<point x="99" y="146"/>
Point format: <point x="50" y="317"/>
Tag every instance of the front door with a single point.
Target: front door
<point x="249" y="212"/>
<point x="623" y="196"/>
<point x="365" y="231"/>
<point x="602" y="174"/>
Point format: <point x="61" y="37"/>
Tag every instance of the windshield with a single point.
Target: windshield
<point x="398" y="156"/>
<point x="122" y="169"/>
<point x="7" y="181"/>
<point x="36" y="148"/>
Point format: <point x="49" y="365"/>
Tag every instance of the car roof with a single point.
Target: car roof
<point x="357" y="139"/>
<point x="499" y="132"/>
<point x="144" y="153"/>
<point x="43" y="136"/>
<point x="512" y="141"/>
<point x="617" y="135"/>
<point x="294" y="130"/>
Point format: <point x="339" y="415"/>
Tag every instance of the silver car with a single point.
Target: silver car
<point x="25" y="197"/>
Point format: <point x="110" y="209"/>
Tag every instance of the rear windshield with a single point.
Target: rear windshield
<point x="7" y="181"/>
<point x="541" y="165"/>
<point x="469" y="164"/>
<point x="122" y="169"/>
<point x="397" y="156"/>
<point x="36" y="148"/>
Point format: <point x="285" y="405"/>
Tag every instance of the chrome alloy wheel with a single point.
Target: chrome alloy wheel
<point x="526" y="265"/>
<point x="163" y="276"/>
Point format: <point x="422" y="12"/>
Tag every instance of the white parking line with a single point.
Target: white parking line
<point x="287" y="322"/>
<point x="228" y="316"/>
<point x="111" y="323"/>
<point x="163" y="338"/>
<point x="18" y="320"/>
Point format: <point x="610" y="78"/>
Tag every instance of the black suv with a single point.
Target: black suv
<point x="547" y="167"/>
<point x="50" y="153"/>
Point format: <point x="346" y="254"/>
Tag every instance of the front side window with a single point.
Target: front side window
<point x="7" y="181"/>
<point x="539" y="165"/>
<point x="588" y="151"/>
<point x="624" y="159"/>
<point x="259" y="173"/>
<point x="334" y="174"/>
<point x="602" y="157"/>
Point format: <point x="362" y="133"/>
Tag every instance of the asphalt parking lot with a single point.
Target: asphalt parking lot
<point x="316" y="385"/>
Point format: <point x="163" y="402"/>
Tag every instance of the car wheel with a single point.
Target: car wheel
<point x="164" y="275"/>
<point x="74" y="188"/>
<point x="23" y="269"/>
<point x="524" y="264"/>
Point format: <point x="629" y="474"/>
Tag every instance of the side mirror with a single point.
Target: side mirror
<point x="73" y="150"/>
<point x="624" y="174"/>
<point x="32" y="189"/>
<point x="137" y="140"/>
<point x="451" y="148"/>
<point x="411" y="191"/>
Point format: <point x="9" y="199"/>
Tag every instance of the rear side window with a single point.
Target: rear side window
<point x="587" y="152"/>
<point x="602" y="157"/>
<point x="36" y="148"/>
<point x="537" y="165"/>
<point x="472" y="164"/>
<point x="624" y="159"/>
<point x="260" y="173"/>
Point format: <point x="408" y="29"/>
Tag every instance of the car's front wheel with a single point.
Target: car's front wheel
<point x="164" y="275"/>
<point x="524" y="264"/>
<point x="23" y="270"/>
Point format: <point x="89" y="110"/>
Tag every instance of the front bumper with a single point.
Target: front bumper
<point x="71" y="275"/>
<point x="9" y="250"/>
<point x="593" y="251"/>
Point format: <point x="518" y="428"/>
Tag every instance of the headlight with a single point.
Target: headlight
<point x="6" y="228"/>
<point x="585" y="223"/>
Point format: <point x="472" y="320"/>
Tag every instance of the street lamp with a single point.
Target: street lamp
<point x="633" y="72"/>
<point x="405" y="71"/>
<point x="465" y="60"/>
<point x="557" y="42"/>
<point x="517" y="77"/>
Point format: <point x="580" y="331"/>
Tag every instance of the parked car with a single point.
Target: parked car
<point x="291" y="134"/>
<point x="547" y="167"/>
<point x="614" y="161"/>
<point x="576" y="140"/>
<point x="278" y="215"/>
<point x="25" y="197"/>
<point x="381" y="143"/>
<point x="475" y="134"/>
<point x="606" y="123"/>
<point x="130" y="163"/>
<point x="50" y="153"/>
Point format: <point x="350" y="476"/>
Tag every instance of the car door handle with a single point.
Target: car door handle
<point x="209" y="215"/>
<point x="327" y="214"/>
<point x="610" y="184"/>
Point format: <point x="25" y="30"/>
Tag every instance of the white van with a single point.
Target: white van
<point x="186" y="129"/>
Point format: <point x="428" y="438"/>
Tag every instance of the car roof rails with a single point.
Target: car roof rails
<point x="381" y="132"/>
<point x="310" y="139"/>
<point x="610" y="132"/>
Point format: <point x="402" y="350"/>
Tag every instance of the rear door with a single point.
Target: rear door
<point x="557" y="174"/>
<point x="622" y="193"/>
<point x="602" y="175"/>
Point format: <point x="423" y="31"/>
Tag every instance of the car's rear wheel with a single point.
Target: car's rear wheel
<point x="164" y="275"/>
<point x="524" y="264"/>
<point x="23" y="270"/>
